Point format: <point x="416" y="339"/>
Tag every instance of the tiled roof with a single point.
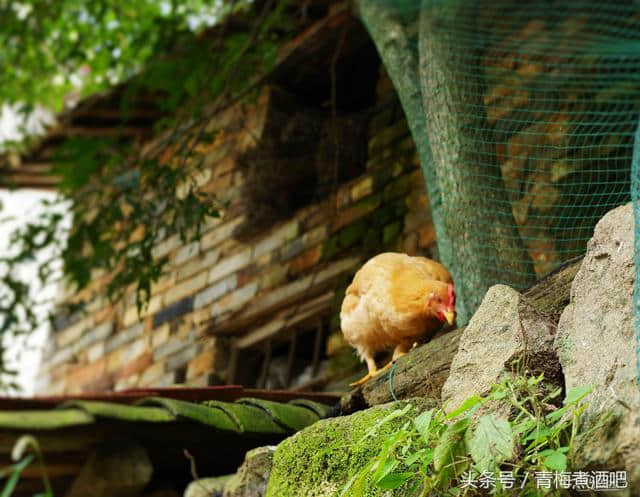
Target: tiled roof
<point x="215" y="432"/>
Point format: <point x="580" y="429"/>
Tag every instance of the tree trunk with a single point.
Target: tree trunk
<point x="440" y="87"/>
<point x="394" y="38"/>
<point x="486" y="246"/>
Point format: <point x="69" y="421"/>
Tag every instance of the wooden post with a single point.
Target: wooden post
<point x="291" y="359"/>
<point x="317" y="348"/>
<point x="265" y="365"/>
<point x="233" y="365"/>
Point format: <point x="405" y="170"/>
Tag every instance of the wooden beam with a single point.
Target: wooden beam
<point x="285" y="323"/>
<point x="29" y="181"/>
<point x="282" y="297"/>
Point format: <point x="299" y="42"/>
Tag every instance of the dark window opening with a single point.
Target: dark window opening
<point x="310" y="142"/>
<point x="290" y="361"/>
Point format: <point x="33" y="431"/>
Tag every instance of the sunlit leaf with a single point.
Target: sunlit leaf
<point x="394" y="480"/>
<point x="492" y="442"/>
<point x="556" y="461"/>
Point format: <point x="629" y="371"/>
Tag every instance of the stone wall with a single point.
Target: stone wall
<point x="219" y="279"/>
<point x="563" y="125"/>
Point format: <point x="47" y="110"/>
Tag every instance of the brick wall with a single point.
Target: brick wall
<point x="220" y="280"/>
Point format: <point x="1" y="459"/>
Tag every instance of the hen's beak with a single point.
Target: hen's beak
<point x="450" y="316"/>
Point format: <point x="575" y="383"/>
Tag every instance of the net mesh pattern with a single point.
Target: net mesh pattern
<point x="531" y="114"/>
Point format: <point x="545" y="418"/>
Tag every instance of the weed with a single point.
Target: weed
<point x="474" y="450"/>
<point x="25" y="451"/>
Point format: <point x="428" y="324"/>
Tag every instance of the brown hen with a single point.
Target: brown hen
<point x="395" y="300"/>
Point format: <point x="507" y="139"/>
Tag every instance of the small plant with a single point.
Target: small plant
<point x="25" y="451"/>
<point x="469" y="452"/>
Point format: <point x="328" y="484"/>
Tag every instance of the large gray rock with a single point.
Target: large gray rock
<point x="207" y="487"/>
<point x="251" y="478"/>
<point x="504" y="330"/>
<point x="114" y="469"/>
<point x="596" y="344"/>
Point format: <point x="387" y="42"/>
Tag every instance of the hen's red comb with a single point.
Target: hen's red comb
<point x="452" y="295"/>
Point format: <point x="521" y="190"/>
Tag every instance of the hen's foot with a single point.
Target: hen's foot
<point x="362" y="380"/>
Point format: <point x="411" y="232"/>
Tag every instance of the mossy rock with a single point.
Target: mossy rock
<point x="251" y="478"/>
<point x="207" y="487"/>
<point x="319" y="460"/>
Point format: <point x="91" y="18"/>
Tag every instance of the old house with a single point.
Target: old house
<point x="315" y="174"/>
<point x="312" y="185"/>
<point x="255" y="301"/>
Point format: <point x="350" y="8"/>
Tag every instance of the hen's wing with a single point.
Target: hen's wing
<point x="434" y="269"/>
<point x="386" y="302"/>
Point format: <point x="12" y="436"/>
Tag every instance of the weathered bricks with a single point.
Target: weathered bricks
<point x="276" y="239"/>
<point x="125" y="336"/>
<point x="185" y="288"/>
<point x="218" y="279"/>
<point x="215" y="291"/>
<point x="229" y="265"/>
<point x="174" y="311"/>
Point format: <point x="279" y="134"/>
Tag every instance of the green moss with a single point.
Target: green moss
<point x="383" y="215"/>
<point x="391" y="233"/>
<point x="330" y="248"/>
<point x="399" y="187"/>
<point x="564" y="350"/>
<point x="352" y="233"/>
<point x="368" y="204"/>
<point x="382" y="174"/>
<point x="318" y="461"/>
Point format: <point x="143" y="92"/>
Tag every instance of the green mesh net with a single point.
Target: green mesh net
<point x="524" y="115"/>
<point x="635" y="194"/>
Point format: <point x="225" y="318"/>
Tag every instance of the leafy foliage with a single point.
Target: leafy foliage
<point x="124" y="198"/>
<point x="53" y="48"/>
<point x="439" y="453"/>
<point x="25" y="451"/>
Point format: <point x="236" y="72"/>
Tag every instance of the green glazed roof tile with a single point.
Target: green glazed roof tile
<point x="123" y="412"/>
<point x="44" y="419"/>
<point x="290" y="416"/>
<point x="195" y="412"/>
<point x="321" y="410"/>
<point x="249" y="418"/>
<point x="247" y="415"/>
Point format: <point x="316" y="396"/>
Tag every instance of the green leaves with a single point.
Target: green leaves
<point x="467" y="405"/>
<point x="394" y="480"/>
<point x="52" y="48"/>
<point x="25" y="451"/>
<point x="124" y="199"/>
<point x="492" y="442"/>
<point x="450" y="445"/>
<point x="431" y="454"/>
<point x="576" y="394"/>
<point x="423" y="424"/>
<point x="15" y="471"/>
<point x="556" y="460"/>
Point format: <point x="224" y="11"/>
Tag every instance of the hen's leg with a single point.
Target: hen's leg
<point x="400" y="350"/>
<point x="373" y="370"/>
